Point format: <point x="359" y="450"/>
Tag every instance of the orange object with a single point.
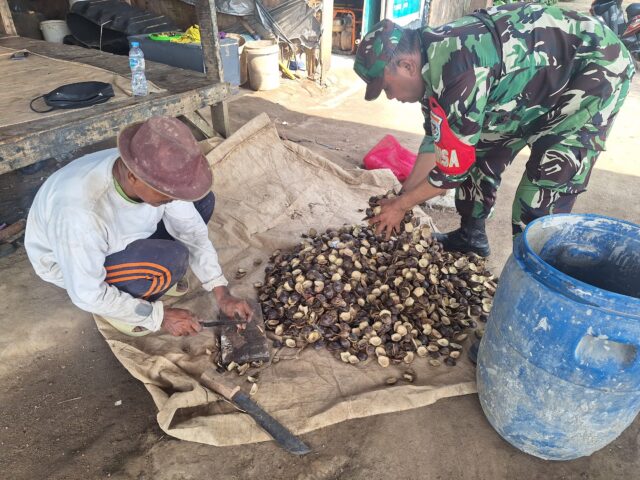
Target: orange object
<point x="353" y="28"/>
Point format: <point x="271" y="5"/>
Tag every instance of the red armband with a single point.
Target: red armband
<point x="453" y="156"/>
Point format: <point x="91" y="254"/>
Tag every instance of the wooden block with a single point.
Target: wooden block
<point x="250" y="345"/>
<point x="8" y="233"/>
<point x="326" y="40"/>
<point x="6" y="19"/>
<point x="444" y="11"/>
<point x="476" y="4"/>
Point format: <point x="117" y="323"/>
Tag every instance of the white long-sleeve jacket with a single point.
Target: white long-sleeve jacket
<point x="78" y="218"/>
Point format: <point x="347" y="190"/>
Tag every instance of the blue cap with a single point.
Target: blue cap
<point x="135" y="44"/>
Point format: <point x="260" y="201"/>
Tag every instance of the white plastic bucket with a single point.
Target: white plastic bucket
<point x="54" y="30"/>
<point x="262" y="62"/>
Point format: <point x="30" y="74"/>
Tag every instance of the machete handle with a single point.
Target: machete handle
<point x="208" y="380"/>
<point x="242" y="402"/>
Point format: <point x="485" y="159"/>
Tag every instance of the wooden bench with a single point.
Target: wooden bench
<point x="185" y="92"/>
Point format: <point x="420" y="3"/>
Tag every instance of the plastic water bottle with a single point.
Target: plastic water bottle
<point x="139" y="86"/>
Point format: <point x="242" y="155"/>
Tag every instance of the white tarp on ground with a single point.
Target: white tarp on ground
<point x="269" y="192"/>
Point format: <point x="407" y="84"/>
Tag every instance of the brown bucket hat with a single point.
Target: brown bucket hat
<point x="163" y="153"/>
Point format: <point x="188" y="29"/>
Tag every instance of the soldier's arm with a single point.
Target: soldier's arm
<point x="424" y="164"/>
<point x="421" y="192"/>
<point x="426" y="159"/>
<point x="457" y="114"/>
<point x="448" y="149"/>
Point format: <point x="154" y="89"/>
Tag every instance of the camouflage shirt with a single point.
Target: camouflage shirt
<point x="474" y="91"/>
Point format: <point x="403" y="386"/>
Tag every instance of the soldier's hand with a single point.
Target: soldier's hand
<point x="389" y="218"/>
<point x="180" y="322"/>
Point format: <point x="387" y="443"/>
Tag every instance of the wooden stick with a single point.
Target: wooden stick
<point x="211" y="380"/>
<point x="194" y="119"/>
<point x="326" y="39"/>
<point x="6" y="18"/>
<point x="208" y="22"/>
<point x="13" y="230"/>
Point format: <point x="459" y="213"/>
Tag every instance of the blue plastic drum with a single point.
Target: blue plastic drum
<point x="559" y="365"/>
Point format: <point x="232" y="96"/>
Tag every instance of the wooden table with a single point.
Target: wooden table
<point x="28" y="143"/>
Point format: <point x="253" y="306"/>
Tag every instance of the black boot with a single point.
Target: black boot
<point x="470" y="237"/>
<point x="473" y="351"/>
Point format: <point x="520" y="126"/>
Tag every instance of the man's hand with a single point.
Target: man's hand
<point x="180" y="322"/>
<point x="232" y="306"/>
<point x="389" y="218"/>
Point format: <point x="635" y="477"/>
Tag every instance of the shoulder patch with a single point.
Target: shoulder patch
<point x="453" y="156"/>
<point x="436" y="121"/>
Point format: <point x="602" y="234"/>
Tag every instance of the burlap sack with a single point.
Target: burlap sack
<point x="268" y="192"/>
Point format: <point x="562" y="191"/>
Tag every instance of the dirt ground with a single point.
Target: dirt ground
<point x="61" y="383"/>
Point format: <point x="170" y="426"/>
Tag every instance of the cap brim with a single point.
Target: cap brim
<point x="374" y="87"/>
<point x="190" y="191"/>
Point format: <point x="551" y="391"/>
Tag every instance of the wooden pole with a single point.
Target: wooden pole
<point x="388" y="9"/>
<point x="207" y="19"/>
<point x="444" y="11"/>
<point x="6" y="18"/>
<point x="326" y="39"/>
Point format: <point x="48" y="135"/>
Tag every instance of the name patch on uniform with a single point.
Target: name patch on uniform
<point x="453" y="156"/>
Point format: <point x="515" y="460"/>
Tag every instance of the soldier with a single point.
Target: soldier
<point x="490" y="84"/>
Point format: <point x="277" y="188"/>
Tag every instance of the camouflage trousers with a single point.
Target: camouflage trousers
<point x="563" y="153"/>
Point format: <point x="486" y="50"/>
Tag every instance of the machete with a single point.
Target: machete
<point x="241" y="400"/>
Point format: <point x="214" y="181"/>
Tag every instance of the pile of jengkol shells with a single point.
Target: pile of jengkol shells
<point x="363" y="298"/>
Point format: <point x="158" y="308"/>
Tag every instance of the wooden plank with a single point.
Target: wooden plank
<point x="195" y="120"/>
<point x="444" y="11"/>
<point x="165" y="76"/>
<point x="477" y="4"/>
<point x="10" y="231"/>
<point x="206" y="12"/>
<point x="325" y="39"/>
<point x="6" y="18"/>
<point x="53" y="122"/>
<point x="388" y="9"/>
<point x="220" y="119"/>
<point x="65" y="133"/>
<point x="24" y="144"/>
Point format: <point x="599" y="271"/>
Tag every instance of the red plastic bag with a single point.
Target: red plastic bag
<point x="388" y="153"/>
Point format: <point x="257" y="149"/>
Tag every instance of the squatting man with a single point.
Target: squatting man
<point x="118" y="228"/>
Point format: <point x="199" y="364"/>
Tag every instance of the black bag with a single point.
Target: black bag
<point x="76" y="95"/>
<point x="106" y="24"/>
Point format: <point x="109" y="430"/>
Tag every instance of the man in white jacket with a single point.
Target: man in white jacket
<point x="118" y="228"/>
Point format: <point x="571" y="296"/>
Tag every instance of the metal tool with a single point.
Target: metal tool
<point x="244" y="345"/>
<point x="221" y="323"/>
<point x="280" y="434"/>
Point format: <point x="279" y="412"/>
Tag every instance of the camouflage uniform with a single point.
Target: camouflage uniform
<point x="515" y="76"/>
